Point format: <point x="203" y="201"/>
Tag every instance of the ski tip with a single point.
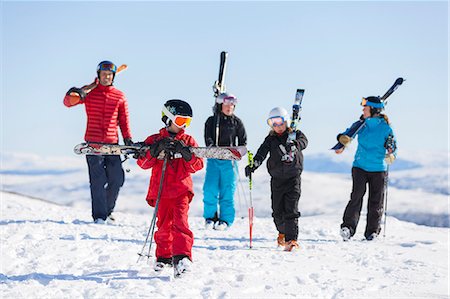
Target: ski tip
<point x="121" y="68"/>
<point x="399" y="81"/>
<point x="238" y="153"/>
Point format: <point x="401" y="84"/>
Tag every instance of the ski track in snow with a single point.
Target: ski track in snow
<point x="51" y="251"/>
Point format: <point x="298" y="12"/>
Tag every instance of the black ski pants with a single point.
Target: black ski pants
<point x="106" y="176"/>
<point x="376" y="182"/>
<point x="285" y="197"/>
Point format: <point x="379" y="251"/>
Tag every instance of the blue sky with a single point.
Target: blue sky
<point x="337" y="51"/>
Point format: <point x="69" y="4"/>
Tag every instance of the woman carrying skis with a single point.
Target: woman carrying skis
<point x="173" y="238"/>
<point x="285" y="166"/>
<point x="220" y="178"/>
<point x="376" y="149"/>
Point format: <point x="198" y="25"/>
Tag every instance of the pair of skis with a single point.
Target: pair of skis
<point x="358" y="125"/>
<point x="222" y="152"/>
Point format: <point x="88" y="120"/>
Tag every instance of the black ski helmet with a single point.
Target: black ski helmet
<point x="173" y="108"/>
<point x="106" y="65"/>
<point x="375" y="103"/>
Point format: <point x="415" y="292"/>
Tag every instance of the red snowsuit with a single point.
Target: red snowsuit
<point x="173" y="236"/>
<point x="106" y="108"/>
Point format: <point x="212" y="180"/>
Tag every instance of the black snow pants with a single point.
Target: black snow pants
<point x="376" y="182"/>
<point x="285" y="197"/>
<point x="106" y="176"/>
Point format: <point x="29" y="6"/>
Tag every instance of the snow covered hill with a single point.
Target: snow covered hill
<point x="53" y="251"/>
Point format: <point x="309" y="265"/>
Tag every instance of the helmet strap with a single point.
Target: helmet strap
<point x="166" y="120"/>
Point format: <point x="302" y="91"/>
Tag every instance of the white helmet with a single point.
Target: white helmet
<point x="278" y="116"/>
<point x="226" y="98"/>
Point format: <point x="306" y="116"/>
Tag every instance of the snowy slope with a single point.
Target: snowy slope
<point x="51" y="251"/>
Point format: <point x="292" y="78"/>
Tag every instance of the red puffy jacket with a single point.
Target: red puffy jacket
<point x="177" y="178"/>
<point x="106" y="108"/>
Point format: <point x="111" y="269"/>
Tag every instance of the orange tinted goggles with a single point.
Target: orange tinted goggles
<point x="363" y="102"/>
<point x="182" y="121"/>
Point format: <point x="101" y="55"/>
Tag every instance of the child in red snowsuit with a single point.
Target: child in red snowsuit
<point x="173" y="238"/>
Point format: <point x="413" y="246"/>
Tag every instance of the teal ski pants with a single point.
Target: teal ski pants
<point x="218" y="190"/>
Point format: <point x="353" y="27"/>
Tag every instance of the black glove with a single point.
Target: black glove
<point x="128" y="141"/>
<point x="184" y="150"/>
<point x="250" y="169"/>
<point x="140" y="153"/>
<point x="157" y="147"/>
<point x="78" y="91"/>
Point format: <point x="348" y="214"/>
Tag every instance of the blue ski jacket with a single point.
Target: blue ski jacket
<point x="371" y="149"/>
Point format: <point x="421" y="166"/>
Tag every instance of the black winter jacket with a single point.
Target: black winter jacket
<point x="230" y="129"/>
<point x="276" y="167"/>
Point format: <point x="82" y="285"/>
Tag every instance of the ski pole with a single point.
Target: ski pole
<point x="240" y="185"/>
<point x="153" y="223"/>
<point x="127" y="166"/>
<point x="250" y="209"/>
<point x="386" y="184"/>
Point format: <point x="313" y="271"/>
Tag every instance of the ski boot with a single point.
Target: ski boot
<point x="209" y="224"/>
<point x="221" y="225"/>
<point x="161" y="263"/>
<point x="291" y="245"/>
<point x="181" y="265"/>
<point x="345" y="234"/>
<point x="110" y="219"/>
<point x="372" y="237"/>
<point x="280" y="240"/>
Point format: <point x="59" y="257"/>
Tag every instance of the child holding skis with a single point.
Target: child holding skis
<point x="220" y="177"/>
<point x="285" y="166"/>
<point x="173" y="238"/>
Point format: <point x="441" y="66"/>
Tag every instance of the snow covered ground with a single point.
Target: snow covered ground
<point x="52" y="251"/>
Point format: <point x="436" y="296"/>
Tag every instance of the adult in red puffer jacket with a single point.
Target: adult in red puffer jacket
<point x="106" y="109"/>
<point x="173" y="239"/>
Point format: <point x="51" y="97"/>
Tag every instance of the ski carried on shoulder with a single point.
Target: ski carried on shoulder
<point x="218" y="152"/>
<point x="219" y="85"/>
<point x="290" y="150"/>
<point x="218" y="88"/>
<point x="74" y="92"/>
<point x="358" y="125"/>
<point x="296" y="117"/>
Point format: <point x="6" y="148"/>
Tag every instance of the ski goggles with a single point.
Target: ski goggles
<point x="229" y="100"/>
<point x="276" y="121"/>
<point x="107" y="66"/>
<point x="365" y="102"/>
<point x="180" y="121"/>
